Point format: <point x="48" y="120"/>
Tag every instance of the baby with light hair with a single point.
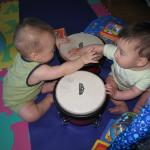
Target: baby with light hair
<point x="35" y="42"/>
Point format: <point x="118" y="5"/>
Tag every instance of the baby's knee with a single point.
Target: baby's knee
<point x="30" y="115"/>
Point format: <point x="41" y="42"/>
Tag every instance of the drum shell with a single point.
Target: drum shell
<point x="78" y="119"/>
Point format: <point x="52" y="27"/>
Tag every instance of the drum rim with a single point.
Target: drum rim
<point x="76" y="116"/>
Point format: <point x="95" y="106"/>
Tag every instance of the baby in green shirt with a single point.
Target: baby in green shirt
<point x="35" y="42"/>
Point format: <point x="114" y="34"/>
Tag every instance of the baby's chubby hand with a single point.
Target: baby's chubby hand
<point x="111" y="90"/>
<point x="75" y="52"/>
<point x="89" y="57"/>
<point x="80" y="51"/>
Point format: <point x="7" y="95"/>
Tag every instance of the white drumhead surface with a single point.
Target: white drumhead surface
<point x="75" y="40"/>
<point x="73" y="99"/>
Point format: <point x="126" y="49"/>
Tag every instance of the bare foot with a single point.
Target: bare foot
<point x="120" y="107"/>
<point x="31" y="112"/>
<point x="48" y="87"/>
<point x="111" y="81"/>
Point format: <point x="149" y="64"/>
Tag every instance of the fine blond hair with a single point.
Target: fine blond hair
<point x="27" y="36"/>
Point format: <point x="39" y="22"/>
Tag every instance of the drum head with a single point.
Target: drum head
<point x="80" y="93"/>
<point x="77" y="40"/>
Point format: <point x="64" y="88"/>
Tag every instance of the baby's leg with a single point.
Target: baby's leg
<point x="110" y="80"/>
<point x="31" y="112"/>
<point x="48" y="87"/>
<point x="120" y="107"/>
<point x="142" y="101"/>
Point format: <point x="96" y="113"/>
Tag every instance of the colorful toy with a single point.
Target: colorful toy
<point x="60" y="32"/>
<point x="120" y="124"/>
<point x="115" y="127"/>
<point x="97" y="25"/>
<point x="111" y="31"/>
<point x="100" y="145"/>
<point x="112" y="130"/>
<point x="9" y="15"/>
<point x="137" y="131"/>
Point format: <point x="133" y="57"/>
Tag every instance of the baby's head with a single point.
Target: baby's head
<point x="35" y="40"/>
<point x="135" y="40"/>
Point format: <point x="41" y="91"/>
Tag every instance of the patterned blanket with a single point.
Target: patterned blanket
<point x="14" y="133"/>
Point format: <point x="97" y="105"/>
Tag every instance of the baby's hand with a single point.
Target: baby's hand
<point x="111" y="90"/>
<point x="75" y="52"/>
<point x="89" y="57"/>
<point x="111" y="82"/>
<point x="85" y="49"/>
<point x="97" y="48"/>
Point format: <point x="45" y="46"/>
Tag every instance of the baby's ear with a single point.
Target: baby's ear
<point x="142" y="61"/>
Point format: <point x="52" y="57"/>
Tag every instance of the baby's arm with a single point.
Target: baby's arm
<point x="123" y="95"/>
<point x="46" y="72"/>
<point x="80" y="51"/>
